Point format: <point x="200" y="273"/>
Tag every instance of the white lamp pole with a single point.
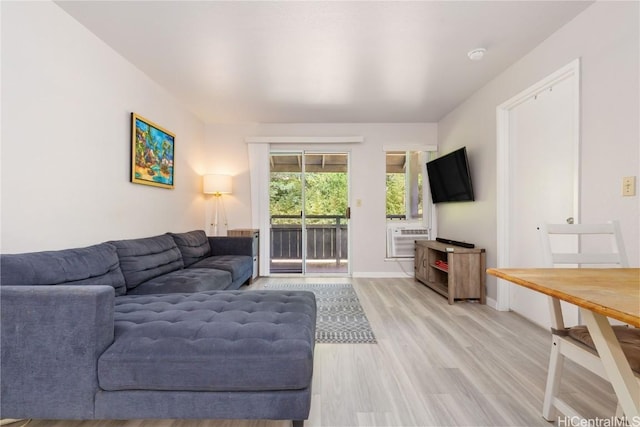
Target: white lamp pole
<point x="217" y="185"/>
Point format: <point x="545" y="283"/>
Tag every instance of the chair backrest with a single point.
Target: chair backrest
<point x="613" y="256"/>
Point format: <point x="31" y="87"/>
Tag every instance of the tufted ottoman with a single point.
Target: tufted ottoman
<point x="251" y="352"/>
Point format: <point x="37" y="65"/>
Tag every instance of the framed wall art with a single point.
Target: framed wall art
<point x="152" y="153"/>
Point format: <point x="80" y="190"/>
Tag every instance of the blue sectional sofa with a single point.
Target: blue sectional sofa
<point x="151" y="328"/>
<point x="184" y="262"/>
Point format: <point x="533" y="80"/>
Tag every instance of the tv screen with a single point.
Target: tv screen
<point x="449" y="177"/>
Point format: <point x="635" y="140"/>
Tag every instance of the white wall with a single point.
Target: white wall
<point x="606" y="38"/>
<point x="227" y="153"/>
<point x="66" y="104"/>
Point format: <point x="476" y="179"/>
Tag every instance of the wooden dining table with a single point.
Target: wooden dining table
<point x="599" y="293"/>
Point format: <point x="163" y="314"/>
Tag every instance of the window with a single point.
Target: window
<point x="404" y="191"/>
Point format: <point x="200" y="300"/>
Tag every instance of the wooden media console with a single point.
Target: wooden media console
<point x="457" y="273"/>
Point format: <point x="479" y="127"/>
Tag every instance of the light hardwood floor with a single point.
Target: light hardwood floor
<point x="434" y="365"/>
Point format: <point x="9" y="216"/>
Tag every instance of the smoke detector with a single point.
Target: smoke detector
<point x="476" y="54"/>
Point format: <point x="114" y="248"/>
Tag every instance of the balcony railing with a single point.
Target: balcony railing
<point x="327" y="240"/>
<point x="327" y="237"/>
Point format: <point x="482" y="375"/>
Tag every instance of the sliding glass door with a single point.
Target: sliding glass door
<point x="308" y="201"/>
<point x="285" y="208"/>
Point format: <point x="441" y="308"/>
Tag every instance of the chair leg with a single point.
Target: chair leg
<point x="297" y="423"/>
<point x="556" y="362"/>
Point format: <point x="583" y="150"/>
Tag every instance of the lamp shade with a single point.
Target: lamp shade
<point x="216" y="184"/>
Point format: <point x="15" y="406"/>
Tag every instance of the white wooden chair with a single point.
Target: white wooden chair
<point x="570" y="342"/>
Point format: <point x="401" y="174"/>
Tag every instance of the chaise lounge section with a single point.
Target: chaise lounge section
<point x="79" y="342"/>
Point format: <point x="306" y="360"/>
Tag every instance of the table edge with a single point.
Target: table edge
<point x="503" y="273"/>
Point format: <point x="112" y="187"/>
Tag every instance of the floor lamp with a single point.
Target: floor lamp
<point x="217" y="185"/>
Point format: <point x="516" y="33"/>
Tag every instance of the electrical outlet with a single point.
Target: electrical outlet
<point x="629" y="186"/>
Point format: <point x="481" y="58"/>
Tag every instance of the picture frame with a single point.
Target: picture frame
<point x="152" y="153"/>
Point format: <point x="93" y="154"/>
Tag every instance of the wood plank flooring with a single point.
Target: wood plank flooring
<point x="434" y="365"/>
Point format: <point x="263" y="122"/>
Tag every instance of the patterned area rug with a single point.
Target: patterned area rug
<point x="340" y="318"/>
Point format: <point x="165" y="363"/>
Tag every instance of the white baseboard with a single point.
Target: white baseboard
<point x="492" y="303"/>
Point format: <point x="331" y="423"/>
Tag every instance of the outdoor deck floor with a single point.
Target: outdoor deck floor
<point x="313" y="266"/>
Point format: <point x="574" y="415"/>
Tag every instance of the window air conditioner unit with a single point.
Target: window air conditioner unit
<point x="401" y="237"/>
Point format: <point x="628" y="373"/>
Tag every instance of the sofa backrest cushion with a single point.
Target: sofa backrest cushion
<point x="194" y="246"/>
<point x="93" y="265"/>
<point x="146" y="258"/>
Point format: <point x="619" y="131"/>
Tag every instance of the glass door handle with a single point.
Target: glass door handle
<point x="348" y="213"/>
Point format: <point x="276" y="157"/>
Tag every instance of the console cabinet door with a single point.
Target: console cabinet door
<point x="420" y="261"/>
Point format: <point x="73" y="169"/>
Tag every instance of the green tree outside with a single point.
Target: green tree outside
<point x="395" y="194"/>
<point x="326" y="193"/>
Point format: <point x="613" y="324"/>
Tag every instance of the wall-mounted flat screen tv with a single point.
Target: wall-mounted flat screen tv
<point x="449" y="177"/>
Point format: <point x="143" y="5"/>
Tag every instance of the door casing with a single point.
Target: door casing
<point x="505" y="169"/>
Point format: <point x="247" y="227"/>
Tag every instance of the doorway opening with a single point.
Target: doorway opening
<point x="309" y="212"/>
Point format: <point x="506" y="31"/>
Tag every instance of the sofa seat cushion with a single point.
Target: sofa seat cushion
<point x="146" y="258"/>
<point x="237" y="265"/>
<point x="211" y="341"/>
<point x="185" y="280"/>
<point x="93" y="265"/>
<point x="194" y="246"/>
